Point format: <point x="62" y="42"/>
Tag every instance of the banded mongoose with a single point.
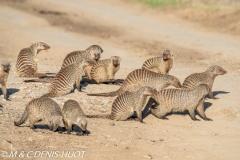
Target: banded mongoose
<point x="73" y="115"/>
<point x="180" y="100"/>
<point x="103" y="70"/>
<point x="140" y="78"/>
<point x="206" y="77"/>
<point x="161" y="65"/>
<point x="4" y="72"/>
<point x="42" y="109"/>
<point x="93" y="52"/>
<point x="26" y="65"/>
<point x="63" y="82"/>
<point x="125" y="104"/>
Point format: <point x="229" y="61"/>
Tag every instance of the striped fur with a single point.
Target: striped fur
<point x="140" y="78"/>
<point x="26" y="65"/>
<point x="180" y="100"/>
<point x="93" y="52"/>
<point x="63" y="82"/>
<point x="104" y="70"/>
<point x="42" y="109"/>
<point x="4" y="72"/>
<point x="206" y="77"/>
<point x="73" y="115"/>
<point x="125" y="104"/>
<point x="161" y="65"/>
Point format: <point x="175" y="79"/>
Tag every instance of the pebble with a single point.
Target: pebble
<point x="161" y="139"/>
<point x="148" y="157"/>
<point x="111" y="123"/>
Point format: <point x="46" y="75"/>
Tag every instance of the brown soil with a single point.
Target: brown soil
<point x="135" y="33"/>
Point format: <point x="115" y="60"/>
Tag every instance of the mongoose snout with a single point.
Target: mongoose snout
<point x="6" y="66"/>
<point x="42" y="46"/>
<point x="167" y="55"/>
<point x="177" y="84"/>
<point x="206" y="77"/>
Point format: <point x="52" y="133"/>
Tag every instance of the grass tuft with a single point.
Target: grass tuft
<point x="162" y="3"/>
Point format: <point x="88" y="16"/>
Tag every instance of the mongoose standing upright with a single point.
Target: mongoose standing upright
<point x="93" y="52"/>
<point x="125" y="104"/>
<point x="73" y="115"/>
<point x="140" y="78"/>
<point x="4" y="71"/>
<point x="180" y="100"/>
<point x="26" y="65"/>
<point x="64" y="80"/>
<point x="161" y="65"/>
<point x="42" y="109"/>
<point x="104" y="70"/>
<point x="206" y="77"/>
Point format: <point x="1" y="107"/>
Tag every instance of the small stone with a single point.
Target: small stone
<point x="153" y="140"/>
<point x="112" y="123"/>
<point x="148" y="156"/>
<point x="161" y="139"/>
<point x="30" y="139"/>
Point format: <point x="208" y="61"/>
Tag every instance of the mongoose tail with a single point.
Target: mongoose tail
<point x="108" y="94"/>
<point x="50" y="94"/>
<point x="107" y="116"/>
<point x="23" y="118"/>
<point x="47" y="79"/>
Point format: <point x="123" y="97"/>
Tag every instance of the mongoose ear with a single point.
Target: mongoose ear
<point x="119" y="59"/>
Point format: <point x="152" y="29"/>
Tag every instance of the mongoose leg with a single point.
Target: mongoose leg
<point x="67" y="127"/>
<point x="78" y="85"/>
<point x="31" y="123"/>
<point x="139" y="115"/>
<point x="201" y="112"/>
<point x="210" y="93"/>
<point x="192" y="115"/>
<point x="4" y="90"/>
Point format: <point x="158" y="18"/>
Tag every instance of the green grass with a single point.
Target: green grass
<point x="162" y="3"/>
<point x="212" y="7"/>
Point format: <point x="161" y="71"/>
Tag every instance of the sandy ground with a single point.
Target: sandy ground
<point x="135" y="33"/>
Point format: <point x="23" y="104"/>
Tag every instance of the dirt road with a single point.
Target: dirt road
<point x="135" y="33"/>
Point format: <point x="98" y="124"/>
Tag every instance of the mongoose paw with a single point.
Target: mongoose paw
<point x="142" y="122"/>
<point x="215" y="98"/>
<point x="208" y="119"/>
<point x="196" y="119"/>
<point x="68" y="132"/>
<point x="80" y="134"/>
<point x="164" y="118"/>
<point x="60" y="132"/>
